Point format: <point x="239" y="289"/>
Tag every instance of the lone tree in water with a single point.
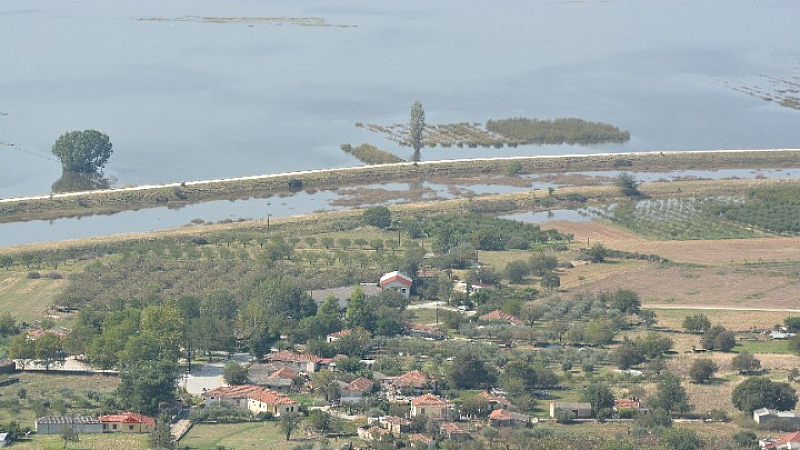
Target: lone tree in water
<point x="84" y="151"/>
<point x="416" y="125"/>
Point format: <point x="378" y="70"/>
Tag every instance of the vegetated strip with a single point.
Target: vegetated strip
<point x="179" y="194"/>
<point x="369" y="154"/>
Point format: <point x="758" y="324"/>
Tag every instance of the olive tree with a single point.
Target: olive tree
<point x="416" y="126"/>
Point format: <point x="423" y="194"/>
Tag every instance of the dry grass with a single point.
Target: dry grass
<point x="27" y="299"/>
<point x="107" y="441"/>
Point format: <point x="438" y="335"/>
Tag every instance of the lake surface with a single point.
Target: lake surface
<point x="189" y="99"/>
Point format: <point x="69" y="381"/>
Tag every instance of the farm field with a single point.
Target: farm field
<point x="107" y="441"/>
<point x="27" y="299"/>
<point x="241" y="436"/>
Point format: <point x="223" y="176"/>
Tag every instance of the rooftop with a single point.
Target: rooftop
<point x="429" y="400"/>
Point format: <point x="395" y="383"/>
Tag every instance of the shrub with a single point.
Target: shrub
<point x="34" y="275"/>
<point x="564" y="416"/>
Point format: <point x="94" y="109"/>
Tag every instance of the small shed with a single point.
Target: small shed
<point x="582" y="410"/>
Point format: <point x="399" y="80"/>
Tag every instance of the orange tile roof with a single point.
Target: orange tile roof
<point x="420" y="438"/>
<point x="360" y="384"/>
<point x="500" y="315"/>
<point x="451" y="428"/>
<point x="626" y="403"/>
<point x="429" y="400"/>
<point x="286" y="355"/>
<point x="287" y="374"/>
<point x="491" y="398"/>
<point x="232" y="392"/>
<point x="415" y="378"/>
<point x="396" y="276"/>
<point x="271" y="397"/>
<point x="341" y="333"/>
<point x="128" y="417"/>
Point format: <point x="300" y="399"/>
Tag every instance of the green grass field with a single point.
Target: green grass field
<point x="108" y="441"/>
<point x="763" y="346"/>
<point x="249" y="435"/>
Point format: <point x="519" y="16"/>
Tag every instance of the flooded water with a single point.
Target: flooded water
<point x="184" y="98"/>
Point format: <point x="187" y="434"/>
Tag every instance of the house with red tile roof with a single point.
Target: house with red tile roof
<point x="506" y="418"/>
<point x="500" y="316"/>
<point x="281" y="379"/>
<point x="420" y="441"/>
<point x="414" y="381"/>
<point x="292" y="360"/>
<point x="786" y="441"/>
<point x="333" y="337"/>
<point x="397" y="281"/>
<point x="430" y="406"/>
<point x="494" y="400"/>
<point x="627" y="403"/>
<point x="454" y="432"/>
<point x="368" y="433"/>
<point x="267" y="400"/>
<point x="127" y="422"/>
<point x="356" y="390"/>
<point x="234" y="396"/>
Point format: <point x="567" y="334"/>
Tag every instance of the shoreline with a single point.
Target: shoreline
<point x="108" y="201"/>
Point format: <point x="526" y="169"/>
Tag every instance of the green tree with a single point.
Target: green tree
<point x="416" y="128"/>
<point x="288" y="423"/>
<point x="146" y="384"/>
<point x="599" y="396"/>
<point x="745" y="440"/>
<point x="235" y="373"/>
<point x="680" y="439"/>
<point x="161" y="437"/>
<point x="627" y="185"/>
<point x="598" y="253"/>
<point x="8" y="325"/>
<point x="627" y="354"/>
<point x="516" y="271"/>
<point x="319" y="420"/>
<point x="745" y="363"/>
<point x="49" y="349"/>
<point x="626" y="301"/>
<point x="697" y="323"/>
<point x="670" y="396"/>
<point x="702" y="370"/>
<point x="22" y="349"/>
<point x="792" y="324"/>
<point x="755" y="393"/>
<point x="551" y="281"/>
<point x="469" y="372"/>
<point x="718" y="338"/>
<point x="83" y="151"/>
<point x="378" y="216"/>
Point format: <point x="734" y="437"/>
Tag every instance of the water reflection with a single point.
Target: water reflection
<point x="80" y="181"/>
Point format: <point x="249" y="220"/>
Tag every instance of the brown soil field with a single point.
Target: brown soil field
<point x="712" y="273"/>
<point x="698" y="251"/>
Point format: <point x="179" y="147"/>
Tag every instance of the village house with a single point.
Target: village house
<point x="627" y="404"/>
<point x="494" y="401"/>
<point x="333" y="337"/>
<point x="786" y="441"/>
<point x="500" y="316"/>
<point x="421" y="442"/>
<point x="463" y="287"/>
<point x="233" y="396"/>
<point x="581" y="410"/>
<point x="397" y="281"/>
<point x="396" y="425"/>
<point x="127" y="422"/>
<point x="505" y="418"/>
<point x="368" y="433"/>
<point x="291" y="360"/>
<point x="764" y="415"/>
<point x="414" y="382"/>
<point x="281" y="379"/>
<point x="269" y="401"/>
<point x="355" y="391"/>
<point x="430" y="406"/>
<point x="454" y="432"/>
<point x="56" y="424"/>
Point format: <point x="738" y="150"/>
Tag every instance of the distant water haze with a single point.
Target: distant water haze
<point x="194" y="99"/>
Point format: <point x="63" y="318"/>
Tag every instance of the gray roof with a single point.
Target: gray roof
<point x="68" y="419"/>
<point x="573" y="405"/>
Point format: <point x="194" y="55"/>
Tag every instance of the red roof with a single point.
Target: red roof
<point x="232" y="392"/>
<point x="128" y="417"/>
<point x="360" y="384"/>
<point x="429" y="400"/>
<point x="396" y="276"/>
<point x="271" y="397"/>
<point x="626" y="403"/>
<point x="783" y="440"/>
<point x="415" y="379"/>
<point x="504" y="414"/>
<point x="287" y="356"/>
<point x="490" y="398"/>
<point x="287" y="374"/>
<point x="451" y="428"/>
<point x="500" y="315"/>
<point x="342" y="333"/>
